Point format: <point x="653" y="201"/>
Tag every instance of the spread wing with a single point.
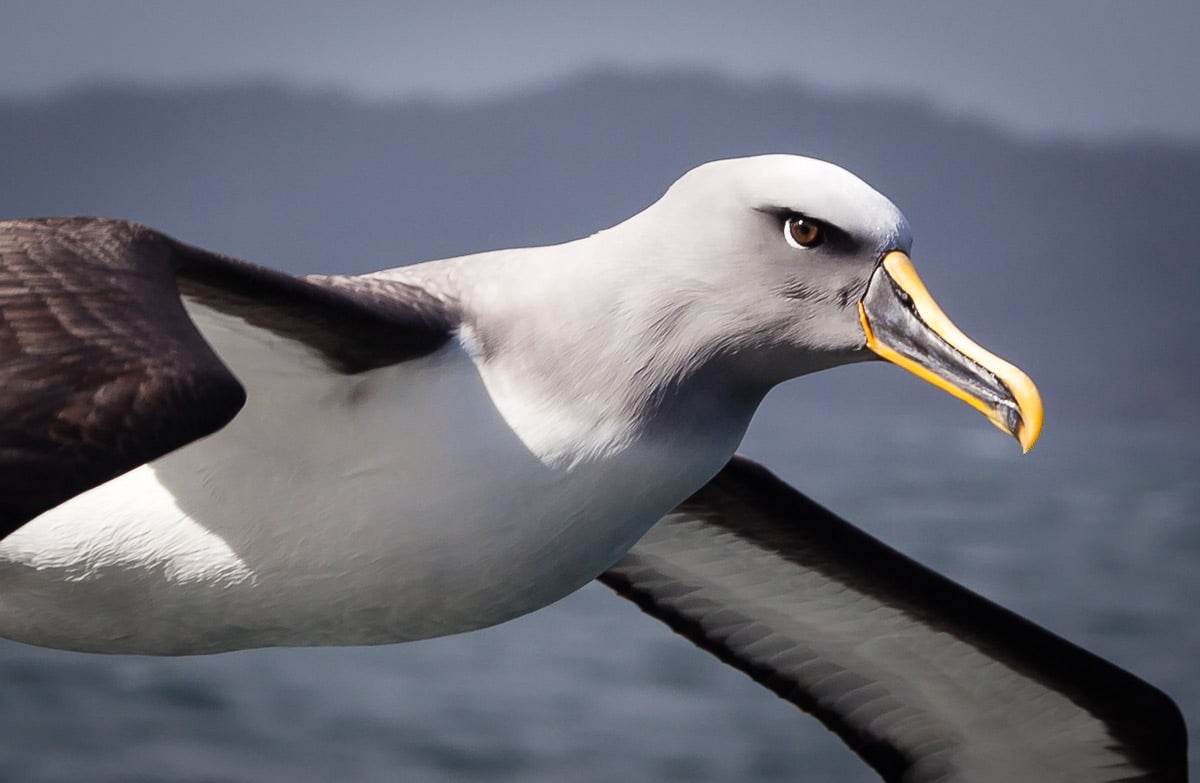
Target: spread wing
<point x="102" y="370"/>
<point x="924" y="679"/>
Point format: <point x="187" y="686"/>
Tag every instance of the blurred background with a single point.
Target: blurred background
<point x="1046" y="154"/>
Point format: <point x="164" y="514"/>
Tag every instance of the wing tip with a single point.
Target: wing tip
<point x="1146" y="725"/>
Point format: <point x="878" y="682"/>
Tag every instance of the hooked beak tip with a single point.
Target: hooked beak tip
<point x="906" y="327"/>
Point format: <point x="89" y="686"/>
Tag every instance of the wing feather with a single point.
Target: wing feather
<point x="102" y="370"/>
<point x="924" y="679"/>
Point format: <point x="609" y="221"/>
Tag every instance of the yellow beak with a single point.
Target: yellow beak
<point x="905" y="326"/>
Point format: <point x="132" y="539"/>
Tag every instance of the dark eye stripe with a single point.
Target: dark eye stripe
<point x="834" y="237"/>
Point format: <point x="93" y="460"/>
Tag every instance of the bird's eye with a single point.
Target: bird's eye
<point x="803" y="232"/>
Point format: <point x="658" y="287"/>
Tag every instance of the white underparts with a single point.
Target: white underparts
<point x="411" y="501"/>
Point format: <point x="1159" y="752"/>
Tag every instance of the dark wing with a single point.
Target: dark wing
<point x="101" y="370"/>
<point x="924" y="679"/>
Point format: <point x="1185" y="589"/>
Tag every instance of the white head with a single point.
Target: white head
<point x="781" y="265"/>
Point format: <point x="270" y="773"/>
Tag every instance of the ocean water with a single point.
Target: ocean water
<point x="1096" y="535"/>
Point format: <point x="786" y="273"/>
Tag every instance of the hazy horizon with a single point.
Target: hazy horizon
<point x="1072" y="68"/>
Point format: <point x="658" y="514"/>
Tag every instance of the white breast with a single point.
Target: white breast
<point x="392" y="505"/>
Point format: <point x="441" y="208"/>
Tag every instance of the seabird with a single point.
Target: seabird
<point x="200" y="455"/>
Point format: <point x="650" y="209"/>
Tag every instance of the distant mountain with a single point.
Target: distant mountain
<point x="1078" y="262"/>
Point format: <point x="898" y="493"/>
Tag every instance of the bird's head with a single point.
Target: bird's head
<point x="804" y="266"/>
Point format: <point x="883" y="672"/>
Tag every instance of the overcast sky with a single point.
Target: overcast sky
<point x="1089" y="67"/>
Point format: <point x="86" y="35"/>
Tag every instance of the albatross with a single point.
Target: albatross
<point x="200" y="455"/>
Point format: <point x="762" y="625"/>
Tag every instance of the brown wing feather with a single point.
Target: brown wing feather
<point x="355" y="323"/>
<point x="101" y="370"/>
